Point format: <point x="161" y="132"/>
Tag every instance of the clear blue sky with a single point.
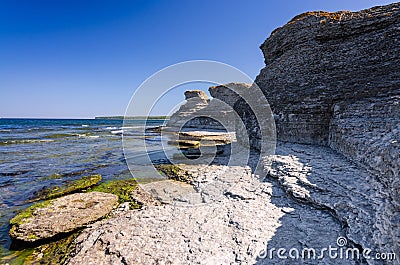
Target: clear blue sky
<point x="85" y="58"/>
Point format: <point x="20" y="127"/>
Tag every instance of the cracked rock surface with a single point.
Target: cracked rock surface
<point x="319" y="176"/>
<point x="249" y="217"/>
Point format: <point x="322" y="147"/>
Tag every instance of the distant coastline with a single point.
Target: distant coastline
<point x="132" y="118"/>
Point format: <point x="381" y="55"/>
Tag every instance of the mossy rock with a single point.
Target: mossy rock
<point x="48" y="219"/>
<point x="71" y="187"/>
<point x="19" y="257"/>
<point x="122" y="188"/>
<point x="53" y="253"/>
<point x="174" y="172"/>
<point x="24" y="215"/>
<point x="58" y="135"/>
<point x="184" y="144"/>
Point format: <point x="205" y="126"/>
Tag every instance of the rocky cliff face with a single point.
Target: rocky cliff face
<point x="334" y="79"/>
<point x="319" y="59"/>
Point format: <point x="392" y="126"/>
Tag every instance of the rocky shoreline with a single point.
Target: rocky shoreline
<point x="333" y="84"/>
<point x="310" y="197"/>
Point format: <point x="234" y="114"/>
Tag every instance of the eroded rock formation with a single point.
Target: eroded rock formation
<point x="197" y="112"/>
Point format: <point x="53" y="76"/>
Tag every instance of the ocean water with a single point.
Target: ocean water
<point x="38" y="153"/>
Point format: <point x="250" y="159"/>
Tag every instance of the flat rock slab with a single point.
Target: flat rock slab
<point x="233" y="229"/>
<point x="63" y="215"/>
<point x="221" y="137"/>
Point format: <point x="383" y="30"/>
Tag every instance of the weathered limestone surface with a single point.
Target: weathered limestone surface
<point x="233" y="229"/>
<point x="319" y="195"/>
<point x="63" y="215"/>
<point x="321" y="177"/>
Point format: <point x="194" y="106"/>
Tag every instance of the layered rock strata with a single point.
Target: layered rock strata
<point x="320" y="59"/>
<point x="333" y="79"/>
<point x="197" y="112"/>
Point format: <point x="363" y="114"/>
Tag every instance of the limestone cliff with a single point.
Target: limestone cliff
<point x="334" y="79"/>
<point x="319" y="59"/>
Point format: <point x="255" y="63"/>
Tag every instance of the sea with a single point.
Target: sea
<point x="40" y="153"/>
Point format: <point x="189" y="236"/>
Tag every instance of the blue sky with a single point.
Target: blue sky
<point x="80" y="59"/>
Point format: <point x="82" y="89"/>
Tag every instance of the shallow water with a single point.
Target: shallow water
<point x="35" y="153"/>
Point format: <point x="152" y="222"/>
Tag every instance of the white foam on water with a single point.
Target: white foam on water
<point x="27" y="141"/>
<point x="132" y="127"/>
<point x="117" y="132"/>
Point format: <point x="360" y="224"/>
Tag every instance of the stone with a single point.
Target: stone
<point x="143" y="198"/>
<point x="208" y="136"/>
<point x="201" y="144"/>
<point x="333" y="79"/>
<point x="201" y="113"/>
<point x="229" y="93"/>
<point x="80" y="184"/>
<point x="61" y="215"/>
<point x="173" y="192"/>
<point x="195" y="101"/>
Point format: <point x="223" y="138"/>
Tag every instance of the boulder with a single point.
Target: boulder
<point x="50" y="218"/>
